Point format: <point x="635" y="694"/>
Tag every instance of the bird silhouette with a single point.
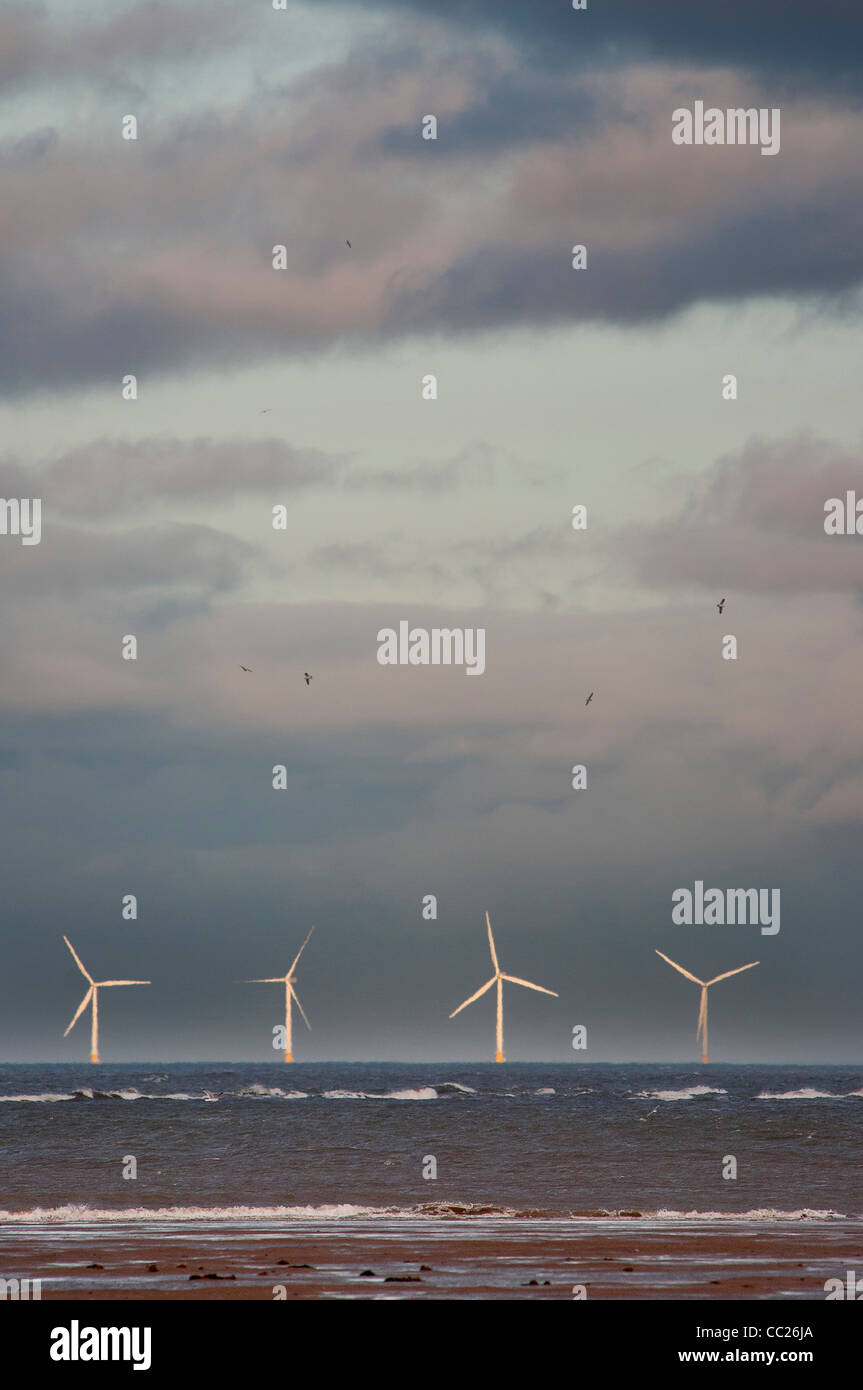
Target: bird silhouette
<point x="721" y="605"/>
<point x="268" y="411"/>
<point x="309" y="678"/>
<point x="589" y="698"/>
<point x="246" y="668"/>
<point x="348" y="244"/>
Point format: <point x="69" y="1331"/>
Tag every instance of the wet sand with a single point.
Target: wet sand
<point x="435" y="1260"/>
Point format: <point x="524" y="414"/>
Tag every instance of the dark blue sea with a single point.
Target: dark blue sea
<point x="548" y="1140"/>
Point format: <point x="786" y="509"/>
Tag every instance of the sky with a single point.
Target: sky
<point x="302" y="388"/>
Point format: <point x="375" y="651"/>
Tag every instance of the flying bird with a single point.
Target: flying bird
<point x="348" y="244"/>
<point x="589" y="698"/>
<point x="268" y="411"/>
<point x="246" y="668"/>
<point x="721" y="605"/>
<point x="309" y="678"/>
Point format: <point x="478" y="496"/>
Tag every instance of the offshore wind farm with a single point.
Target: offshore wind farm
<point x="534" y="593"/>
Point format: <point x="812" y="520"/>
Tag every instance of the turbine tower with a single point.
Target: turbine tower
<point x="498" y="978"/>
<point x="93" y="993"/>
<point x="701" y="1031"/>
<point x="290" y="993"/>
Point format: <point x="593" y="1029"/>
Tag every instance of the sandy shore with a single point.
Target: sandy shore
<point x="438" y="1260"/>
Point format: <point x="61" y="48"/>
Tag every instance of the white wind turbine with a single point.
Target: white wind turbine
<point x="498" y="978"/>
<point x="290" y="993"/>
<point x="701" y="1031"/>
<point x="93" y="993"/>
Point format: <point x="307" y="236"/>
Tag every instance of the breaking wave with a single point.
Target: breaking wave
<point x="80" y="1214"/>
<point x="255" y="1091"/>
<point x="807" y="1093"/>
<point x="687" y="1093"/>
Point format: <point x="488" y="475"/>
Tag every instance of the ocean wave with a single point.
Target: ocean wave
<point x="268" y="1092"/>
<point x="78" y="1215"/>
<point x="687" y="1093"/>
<point x="758" y="1214"/>
<point x="255" y="1091"/>
<point x="418" y="1093"/>
<point x="807" y="1093"/>
<point x="73" y="1214"/>
<point x="45" y="1098"/>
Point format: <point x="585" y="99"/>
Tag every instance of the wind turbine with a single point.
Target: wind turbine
<point x="701" y="1031"/>
<point x="290" y="993"/>
<point x="498" y="978"/>
<point x="93" y="992"/>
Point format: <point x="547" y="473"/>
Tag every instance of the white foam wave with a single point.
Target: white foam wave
<point x="418" y="1093"/>
<point x="687" y="1093"/>
<point x="807" y="1093"/>
<point x="45" y="1099"/>
<point x="257" y="1090"/>
<point x="758" y="1214"/>
<point x="73" y="1214"/>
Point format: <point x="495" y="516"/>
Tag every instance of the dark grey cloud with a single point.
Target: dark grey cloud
<point x="790" y="40"/>
<point x="751" y="254"/>
<point x="511" y="108"/>
<point x="87" y="328"/>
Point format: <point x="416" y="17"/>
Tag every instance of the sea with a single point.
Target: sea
<point x="515" y="1152"/>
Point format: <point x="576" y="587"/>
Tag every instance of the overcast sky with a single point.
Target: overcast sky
<point x="556" y="387"/>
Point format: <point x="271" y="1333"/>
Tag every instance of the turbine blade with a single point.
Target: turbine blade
<point x="85" y="973"/>
<point x="296" y="999"/>
<point x="694" y="978"/>
<point x="492" y="981"/>
<point x="733" y="972"/>
<point x="516" y="981"/>
<point x="81" y="1007"/>
<point x="491" y="945"/>
<point x="270" y="980"/>
<point x="101" y="983"/>
<point x="299" y="953"/>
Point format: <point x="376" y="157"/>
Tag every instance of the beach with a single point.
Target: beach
<point x="438" y="1259"/>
